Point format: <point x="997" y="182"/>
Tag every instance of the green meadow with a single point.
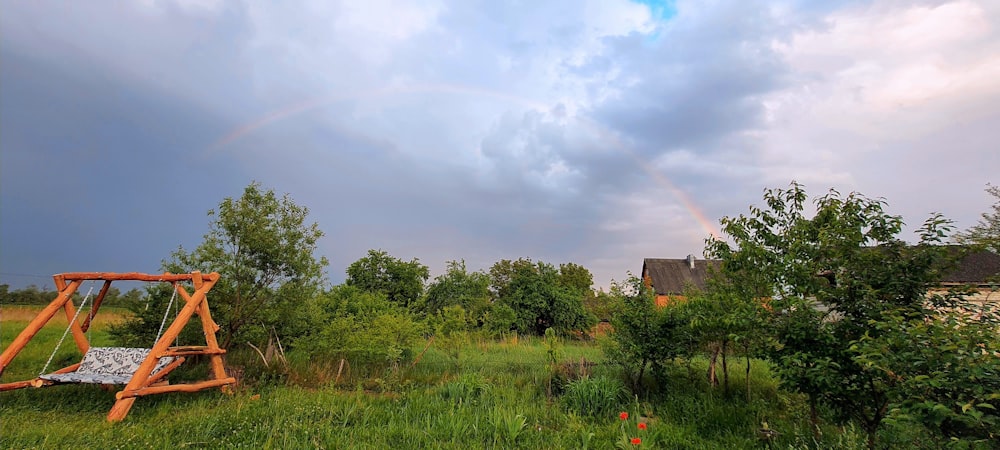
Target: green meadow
<point x="505" y="393"/>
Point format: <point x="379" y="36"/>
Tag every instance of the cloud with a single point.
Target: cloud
<point x="598" y="132"/>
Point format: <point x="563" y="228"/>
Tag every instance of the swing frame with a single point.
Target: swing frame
<point x="144" y="381"/>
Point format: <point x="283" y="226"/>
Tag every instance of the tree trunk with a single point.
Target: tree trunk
<point x="725" y="368"/>
<point x="814" y="417"/>
<point x="642" y="372"/>
<point x="713" y="380"/>
<point x="748" y="377"/>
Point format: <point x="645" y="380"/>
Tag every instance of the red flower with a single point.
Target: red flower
<point x="642" y="425"/>
<point x="636" y="441"/>
<point x="623" y="415"/>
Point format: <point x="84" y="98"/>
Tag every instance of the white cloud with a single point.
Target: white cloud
<point x="882" y="99"/>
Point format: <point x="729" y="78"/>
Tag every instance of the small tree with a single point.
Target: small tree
<point x="264" y="249"/>
<point x="845" y="260"/>
<point x="646" y="336"/>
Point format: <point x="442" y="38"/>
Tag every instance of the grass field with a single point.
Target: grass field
<point x="497" y="396"/>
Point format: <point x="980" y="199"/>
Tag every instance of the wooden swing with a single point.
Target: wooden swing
<point x="142" y="371"/>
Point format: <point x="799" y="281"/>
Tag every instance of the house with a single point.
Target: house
<point x="979" y="270"/>
<point x="671" y="278"/>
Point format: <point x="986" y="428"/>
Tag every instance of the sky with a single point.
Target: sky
<point x="598" y="132"/>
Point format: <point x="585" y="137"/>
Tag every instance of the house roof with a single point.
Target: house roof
<point x="976" y="267"/>
<point x="674" y="276"/>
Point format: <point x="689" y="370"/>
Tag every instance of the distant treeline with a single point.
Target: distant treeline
<point x="33" y="295"/>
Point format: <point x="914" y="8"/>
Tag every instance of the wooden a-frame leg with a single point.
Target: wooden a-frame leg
<point x="120" y="409"/>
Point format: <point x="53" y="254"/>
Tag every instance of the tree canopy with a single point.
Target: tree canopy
<point x="263" y="247"/>
<point x="401" y="281"/>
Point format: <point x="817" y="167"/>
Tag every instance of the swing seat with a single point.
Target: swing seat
<point x="108" y="365"/>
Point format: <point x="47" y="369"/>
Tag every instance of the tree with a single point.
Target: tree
<point x="402" y="282"/>
<point x="538" y="300"/>
<point x="501" y="274"/>
<point x="458" y="287"/>
<point x="830" y="278"/>
<point x="264" y="248"/>
<point x="986" y="233"/>
<point x="576" y="278"/>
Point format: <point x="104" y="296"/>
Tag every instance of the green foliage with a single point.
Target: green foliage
<point x="361" y="326"/>
<point x="986" y="233"/>
<point x="944" y="368"/>
<point x="645" y="335"/>
<point x="458" y="287"/>
<point x="451" y="332"/>
<point x="475" y="408"/>
<point x="538" y="299"/>
<point x="263" y="247"/>
<point x="500" y="319"/>
<point x="601" y="304"/>
<point x="576" y="278"/>
<point x="832" y="279"/>
<point x="147" y="315"/>
<point x="402" y="282"/>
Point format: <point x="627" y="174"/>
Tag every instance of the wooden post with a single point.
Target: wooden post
<point x="141" y="376"/>
<point x="210" y="328"/>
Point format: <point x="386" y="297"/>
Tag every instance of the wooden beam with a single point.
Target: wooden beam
<point x="96" y="305"/>
<point x="135" y="276"/>
<point x="15" y="385"/>
<point x="189" y="387"/>
<point x="165" y="371"/>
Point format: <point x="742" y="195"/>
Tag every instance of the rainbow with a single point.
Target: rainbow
<point x="606" y="135"/>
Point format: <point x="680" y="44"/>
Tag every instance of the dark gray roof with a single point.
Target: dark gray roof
<point x="976" y="267"/>
<point x="674" y="276"/>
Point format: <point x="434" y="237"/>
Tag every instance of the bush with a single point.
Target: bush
<point x="362" y="327"/>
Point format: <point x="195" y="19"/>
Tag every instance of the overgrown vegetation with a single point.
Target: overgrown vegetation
<point x="817" y="331"/>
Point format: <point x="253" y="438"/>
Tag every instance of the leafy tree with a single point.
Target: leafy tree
<point x="402" y="282"/>
<point x="576" y="278"/>
<point x="986" y="233"/>
<point x="539" y="301"/>
<point x="503" y="272"/>
<point x="831" y="278"/>
<point x="264" y="249"/>
<point x="458" y="287"/>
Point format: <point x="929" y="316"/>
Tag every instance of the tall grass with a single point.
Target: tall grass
<point x="498" y="399"/>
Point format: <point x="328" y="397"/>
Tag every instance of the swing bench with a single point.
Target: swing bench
<point x="143" y="371"/>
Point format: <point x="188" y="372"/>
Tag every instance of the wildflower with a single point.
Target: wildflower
<point x="623" y="415"/>
<point x="642" y="425"/>
<point x="636" y="441"/>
